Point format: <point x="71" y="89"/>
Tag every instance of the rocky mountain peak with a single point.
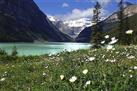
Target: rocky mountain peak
<point x="129" y="10"/>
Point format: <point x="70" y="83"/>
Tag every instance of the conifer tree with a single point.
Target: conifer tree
<point x="128" y="38"/>
<point x="123" y="24"/>
<point x="96" y="35"/>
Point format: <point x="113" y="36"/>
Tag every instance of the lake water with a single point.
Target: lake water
<point x="25" y="49"/>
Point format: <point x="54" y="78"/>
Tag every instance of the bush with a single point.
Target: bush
<point x="2" y="52"/>
<point x="14" y="51"/>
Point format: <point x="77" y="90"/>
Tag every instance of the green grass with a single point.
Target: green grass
<point x="42" y="73"/>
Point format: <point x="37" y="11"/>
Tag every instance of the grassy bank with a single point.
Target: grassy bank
<point x="83" y="70"/>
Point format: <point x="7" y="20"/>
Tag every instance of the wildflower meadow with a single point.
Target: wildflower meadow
<point x="112" y="68"/>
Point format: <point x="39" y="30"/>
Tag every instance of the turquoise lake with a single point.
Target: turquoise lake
<point x="26" y="49"/>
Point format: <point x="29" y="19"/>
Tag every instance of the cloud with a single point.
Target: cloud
<point x="65" y="5"/>
<point x="77" y="14"/>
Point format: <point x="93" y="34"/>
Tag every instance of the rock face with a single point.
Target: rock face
<point x="129" y="11"/>
<point x="22" y="21"/>
<point x="110" y="24"/>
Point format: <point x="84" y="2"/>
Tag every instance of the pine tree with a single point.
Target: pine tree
<point x="123" y="25"/>
<point x="128" y="38"/>
<point x="121" y="22"/>
<point x="96" y="35"/>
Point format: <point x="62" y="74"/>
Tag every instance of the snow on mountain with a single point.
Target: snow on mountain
<point x="78" y="25"/>
<point x="71" y="27"/>
<point x="83" y="22"/>
<point x="53" y="19"/>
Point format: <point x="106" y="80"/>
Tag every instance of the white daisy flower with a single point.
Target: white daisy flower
<point x="113" y="41"/>
<point x="129" y="32"/>
<point x="112" y="61"/>
<point x="73" y="79"/>
<point x="107" y="36"/>
<point x="85" y="71"/>
<point x="91" y="58"/>
<point x="102" y="42"/>
<point x="2" y="79"/>
<point x="113" y="38"/>
<point x="87" y="83"/>
<point x="131" y="57"/>
<point x="124" y="75"/>
<point x="44" y="74"/>
<point x="62" y="77"/>
<point x="109" y="47"/>
<point x="135" y="67"/>
<point x="103" y="56"/>
<point x="131" y="76"/>
<point x="117" y="52"/>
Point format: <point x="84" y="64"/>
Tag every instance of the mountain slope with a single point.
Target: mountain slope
<point x="110" y="25"/>
<point x="84" y="36"/>
<point x="22" y="21"/>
